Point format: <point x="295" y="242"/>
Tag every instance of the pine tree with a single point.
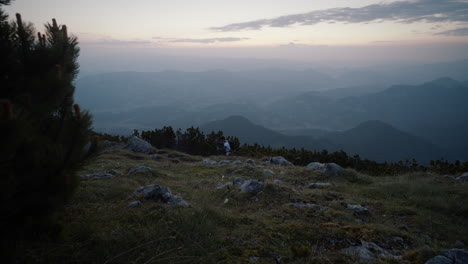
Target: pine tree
<point x="42" y="131"/>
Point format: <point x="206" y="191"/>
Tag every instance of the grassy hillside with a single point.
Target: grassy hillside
<point x="409" y="216"/>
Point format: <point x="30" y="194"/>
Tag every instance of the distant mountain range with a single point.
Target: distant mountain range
<point x="436" y="111"/>
<point x="374" y="140"/>
<point x="292" y="102"/>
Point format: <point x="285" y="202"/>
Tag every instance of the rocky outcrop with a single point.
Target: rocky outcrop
<point x="280" y="161"/>
<point x="330" y="169"/>
<point x="158" y="193"/>
<point x="137" y="144"/>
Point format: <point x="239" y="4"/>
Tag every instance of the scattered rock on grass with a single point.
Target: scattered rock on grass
<point x="224" y="162"/>
<point x="368" y="252"/>
<point x="238" y="180"/>
<point x="139" y="169"/>
<point x="209" y="162"/>
<point x="251" y="186"/>
<point x="97" y="175"/>
<point x="158" y="193"/>
<point x="317" y="185"/>
<point x="269" y="172"/>
<point x="250" y="161"/>
<point x="278" y="182"/>
<point x="306" y="206"/>
<point x="330" y="169"/>
<point x="134" y="204"/>
<point x="463" y="178"/>
<point x="357" y="208"/>
<point x="137" y="144"/>
<point x="280" y="161"/>
<point x="452" y="256"/>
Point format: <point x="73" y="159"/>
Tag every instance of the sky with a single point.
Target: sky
<point x="300" y="30"/>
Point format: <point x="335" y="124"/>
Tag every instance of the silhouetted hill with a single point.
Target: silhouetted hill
<point x="374" y="140"/>
<point x="435" y="110"/>
<point x="249" y="132"/>
<point x="379" y="141"/>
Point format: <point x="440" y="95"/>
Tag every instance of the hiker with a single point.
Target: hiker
<point x="224" y="146"/>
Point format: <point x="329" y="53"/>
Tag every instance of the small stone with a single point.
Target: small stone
<point x="278" y="182"/>
<point x="222" y="186"/>
<point x="463" y="178"/>
<point x="357" y="208"/>
<point x="137" y="144"/>
<point x="113" y="172"/>
<point x="330" y="169"/>
<point x="237" y="162"/>
<point x="306" y="206"/>
<point x="134" y="204"/>
<point x="139" y="169"/>
<point x="224" y="162"/>
<point x="238" y="180"/>
<point x="268" y="172"/>
<point x="97" y="175"/>
<point x="317" y="185"/>
<point x="209" y="162"/>
<point x="439" y="260"/>
<point x="250" y="161"/>
<point x="280" y="161"/>
<point x="251" y="186"/>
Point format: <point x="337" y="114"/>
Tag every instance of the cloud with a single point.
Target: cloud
<point x="203" y="40"/>
<point x="401" y="11"/>
<point x="116" y="42"/>
<point x="454" y="32"/>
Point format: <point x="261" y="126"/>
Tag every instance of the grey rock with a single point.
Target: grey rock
<point x="306" y="206"/>
<point x="269" y="172"/>
<point x="330" y="169"/>
<point x="278" y="182"/>
<point x="238" y="180"/>
<point x="155" y="156"/>
<point x="237" y="162"/>
<point x="458" y="256"/>
<point x="222" y="186"/>
<point x="251" y="186"/>
<point x="439" y="260"/>
<point x="113" y="172"/>
<point x="97" y="175"/>
<point x="158" y="193"/>
<point x="357" y="208"/>
<point x="465" y="174"/>
<point x="317" y="185"/>
<point x="139" y="169"/>
<point x="209" y="162"/>
<point x="177" y="201"/>
<point x="134" y="204"/>
<point x="250" y="161"/>
<point x="368" y="252"/>
<point x="224" y="162"/>
<point x="462" y="178"/>
<point x="280" y="161"/>
<point x="137" y="144"/>
<point x="265" y="163"/>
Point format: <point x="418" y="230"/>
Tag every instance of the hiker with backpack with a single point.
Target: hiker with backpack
<point x="224" y="146"/>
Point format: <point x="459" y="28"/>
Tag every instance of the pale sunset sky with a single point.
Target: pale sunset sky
<point x="428" y="30"/>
